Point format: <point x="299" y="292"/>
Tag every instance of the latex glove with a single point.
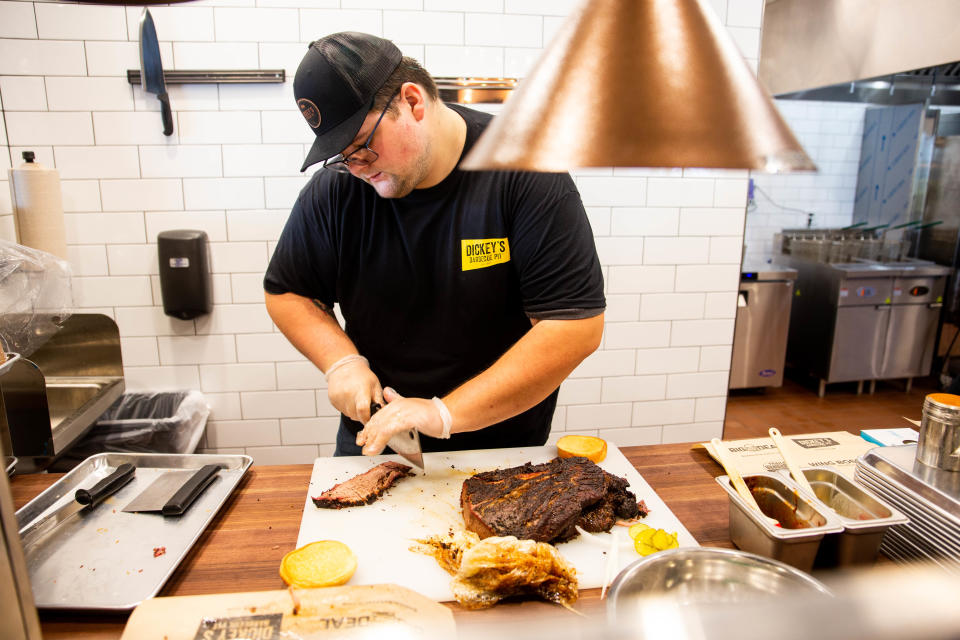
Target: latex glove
<point x="400" y="414"/>
<point x="352" y="387"/>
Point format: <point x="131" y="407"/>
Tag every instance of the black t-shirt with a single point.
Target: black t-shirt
<point x="437" y="285"/>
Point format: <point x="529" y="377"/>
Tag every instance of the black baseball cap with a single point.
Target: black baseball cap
<point x="335" y="86"/>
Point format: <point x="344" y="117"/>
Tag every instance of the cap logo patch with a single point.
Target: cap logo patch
<point x="310" y="112"/>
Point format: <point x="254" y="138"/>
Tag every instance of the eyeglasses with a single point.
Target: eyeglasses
<point x="362" y="157"/>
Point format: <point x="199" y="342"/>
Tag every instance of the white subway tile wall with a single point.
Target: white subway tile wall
<point x="831" y="134"/>
<point x="669" y="240"/>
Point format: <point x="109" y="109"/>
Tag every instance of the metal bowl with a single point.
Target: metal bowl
<point x="704" y="575"/>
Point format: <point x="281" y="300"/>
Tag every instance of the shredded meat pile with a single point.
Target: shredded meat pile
<point x="486" y="571"/>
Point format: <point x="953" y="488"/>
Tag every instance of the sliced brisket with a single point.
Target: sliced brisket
<point x="544" y="502"/>
<point x="362" y="489"/>
<point x="617" y="504"/>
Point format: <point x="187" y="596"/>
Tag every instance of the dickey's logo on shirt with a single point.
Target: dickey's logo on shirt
<point x="485" y="252"/>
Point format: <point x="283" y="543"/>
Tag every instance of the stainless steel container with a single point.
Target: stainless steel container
<point x="760" y="334"/>
<point x="864" y="516"/>
<point x="701" y="575"/>
<point x="939" y="443"/>
<point x="51" y="399"/>
<point x="803" y="523"/>
<point x="859" y="322"/>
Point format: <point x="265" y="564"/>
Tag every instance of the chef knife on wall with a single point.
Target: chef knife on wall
<point x="151" y="68"/>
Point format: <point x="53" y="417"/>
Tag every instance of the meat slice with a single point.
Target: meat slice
<point x="544" y="502"/>
<point x="364" y="488"/>
<point x="617" y="503"/>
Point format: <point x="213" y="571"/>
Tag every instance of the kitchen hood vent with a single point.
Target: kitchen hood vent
<point x="940" y="85"/>
<point x="639" y="83"/>
<point x="808" y="44"/>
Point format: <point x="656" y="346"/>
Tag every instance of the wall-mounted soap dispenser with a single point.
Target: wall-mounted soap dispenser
<point x="184" y="273"/>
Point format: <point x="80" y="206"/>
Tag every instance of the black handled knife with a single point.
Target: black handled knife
<point x="406" y="443"/>
<point x="151" y="68"/>
<point x="82" y="499"/>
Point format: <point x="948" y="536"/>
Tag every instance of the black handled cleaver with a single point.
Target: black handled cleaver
<point x="151" y="68"/>
<point x="173" y="492"/>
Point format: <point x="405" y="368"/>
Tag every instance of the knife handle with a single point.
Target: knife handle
<point x="190" y="490"/>
<point x="92" y="496"/>
<point x="167" y="114"/>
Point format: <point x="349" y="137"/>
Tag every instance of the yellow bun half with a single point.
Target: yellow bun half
<point x="325" y="563"/>
<point x="594" y="449"/>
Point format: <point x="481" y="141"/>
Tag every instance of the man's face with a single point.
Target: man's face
<point x="403" y="152"/>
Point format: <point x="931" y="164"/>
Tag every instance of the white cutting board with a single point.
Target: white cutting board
<point x="381" y="533"/>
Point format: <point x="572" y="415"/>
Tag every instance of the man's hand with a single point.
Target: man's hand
<point x="352" y="387"/>
<point x="400" y="414"/>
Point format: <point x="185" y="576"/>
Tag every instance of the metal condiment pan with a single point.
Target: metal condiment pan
<point x="751" y="531"/>
<point x="864" y="516"/>
<point x="834" y="491"/>
<point x="918" y="521"/>
<point x="109" y="560"/>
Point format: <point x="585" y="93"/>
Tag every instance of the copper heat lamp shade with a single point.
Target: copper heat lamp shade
<point x="639" y="83"/>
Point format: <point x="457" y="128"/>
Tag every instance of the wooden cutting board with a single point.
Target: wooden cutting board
<point x="381" y="533"/>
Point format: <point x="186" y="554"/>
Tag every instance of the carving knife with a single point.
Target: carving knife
<point x="151" y="68"/>
<point x="405" y="443"/>
<point x="83" y="499"/>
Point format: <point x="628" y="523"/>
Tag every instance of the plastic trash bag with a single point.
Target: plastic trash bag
<point x="144" y="422"/>
<point x="35" y="297"/>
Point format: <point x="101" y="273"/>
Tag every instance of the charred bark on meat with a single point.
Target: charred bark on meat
<point x="545" y="502"/>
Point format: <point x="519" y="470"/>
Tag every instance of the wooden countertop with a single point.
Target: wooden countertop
<point x="242" y="547"/>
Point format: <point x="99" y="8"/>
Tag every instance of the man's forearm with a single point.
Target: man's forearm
<point x="311" y="327"/>
<point x="526" y="374"/>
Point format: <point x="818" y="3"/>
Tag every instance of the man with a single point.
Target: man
<point x="468" y="297"/>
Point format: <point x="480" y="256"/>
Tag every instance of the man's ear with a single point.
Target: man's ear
<point x="413" y="97"/>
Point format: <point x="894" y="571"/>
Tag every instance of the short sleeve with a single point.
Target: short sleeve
<point x="553" y="249"/>
<point x="305" y="259"/>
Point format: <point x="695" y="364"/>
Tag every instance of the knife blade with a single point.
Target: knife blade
<point x="151" y="68"/>
<point x="174" y="491"/>
<point x="82" y="499"/>
<point x="406" y="443"/>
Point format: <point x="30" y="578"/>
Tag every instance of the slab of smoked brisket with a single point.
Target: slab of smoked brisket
<point x="544" y="502"/>
<point x="362" y="489"/>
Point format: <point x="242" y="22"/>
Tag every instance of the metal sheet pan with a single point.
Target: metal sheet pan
<point x="911" y="503"/>
<point x="908" y="500"/>
<point x="108" y="560"/>
<point x="939" y="536"/>
<point x="898" y="464"/>
<point x="901" y="549"/>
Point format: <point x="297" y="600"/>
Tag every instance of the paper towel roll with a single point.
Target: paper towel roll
<point x="38" y="207"/>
